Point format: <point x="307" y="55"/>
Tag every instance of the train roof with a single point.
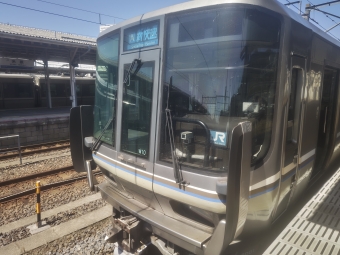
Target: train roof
<point x="273" y="5"/>
<point x="40" y="76"/>
<point x="14" y="75"/>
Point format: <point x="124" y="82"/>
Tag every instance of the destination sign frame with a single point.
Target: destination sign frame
<point x="141" y="36"/>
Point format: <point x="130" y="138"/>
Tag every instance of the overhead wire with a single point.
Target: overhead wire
<point x="322" y="26"/>
<point x="61" y="15"/>
<point x="324" y="29"/>
<point x="316" y="21"/>
<point x="294" y="6"/>
<point x="51" y="13"/>
<point x="79" y="9"/>
<point x="318" y="9"/>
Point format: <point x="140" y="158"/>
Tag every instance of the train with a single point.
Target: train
<point x="211" y="118"/>
<point x="30" y="90"/>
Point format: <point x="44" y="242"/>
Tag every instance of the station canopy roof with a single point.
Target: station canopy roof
<point x="38" y="44"/>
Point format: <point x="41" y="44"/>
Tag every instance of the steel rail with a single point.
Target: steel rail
<point x="36" y="175"/>
<point x="36" y="145"/>
<point x="45" y="187"/>
<point x="26" y="153"/>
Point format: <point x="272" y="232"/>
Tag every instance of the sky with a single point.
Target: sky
<point x="324" y="22"/>
<point x="120" y="9"/>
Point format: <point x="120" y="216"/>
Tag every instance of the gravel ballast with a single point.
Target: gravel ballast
<point x="24" y="207"/>
<point x="89" y="240"/>
<point x="58" y="160"/>
<point x="23" y="232"/>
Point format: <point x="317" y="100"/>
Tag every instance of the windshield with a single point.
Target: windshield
<point x="221" y="69"/>
<point x="106" y="88"/>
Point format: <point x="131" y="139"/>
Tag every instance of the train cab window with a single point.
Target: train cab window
<point x="137" y="102"/>
<point x="106" y="88"/>
<point x="221" y="69"/>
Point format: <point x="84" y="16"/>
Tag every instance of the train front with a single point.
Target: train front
<point x="183" y="109"/>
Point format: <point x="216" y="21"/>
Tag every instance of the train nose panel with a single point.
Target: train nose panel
<point x="178" y="232"/>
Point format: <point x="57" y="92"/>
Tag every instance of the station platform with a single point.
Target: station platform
<point x="34" y="125"/>
<point x="316" y="228"/>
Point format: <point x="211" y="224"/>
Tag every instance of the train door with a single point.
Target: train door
<point x="137" y="105"/>
<point x="294" y="112"/>
<point x="326" y="120"/>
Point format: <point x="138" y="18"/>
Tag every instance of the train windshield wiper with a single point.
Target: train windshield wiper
<point x="177" y="171"/>
<point x="101" y="134"/>
<point x="134" y="62"/>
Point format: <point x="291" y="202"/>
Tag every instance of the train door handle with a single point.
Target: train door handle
<point x="293" y="182"/>
<point x="325" y="122"/>
<point x="131" y="161"/>
<point x="295" y="159"/>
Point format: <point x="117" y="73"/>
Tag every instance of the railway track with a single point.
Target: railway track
<point x="43" y="187"/>
<point x="34" y="149"/>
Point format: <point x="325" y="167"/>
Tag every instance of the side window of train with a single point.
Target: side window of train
<point x="293" y="119"/>
<point x="78" y="90"/>
<point x="68" y="89"/>
<point x="87" y="90"/>
<point x="15" y="88"/>
<point x="43" y="88"/>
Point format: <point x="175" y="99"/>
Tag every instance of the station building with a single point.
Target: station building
<point x="43" y="73"/>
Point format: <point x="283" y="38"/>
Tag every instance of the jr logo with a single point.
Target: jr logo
<point x="219" y="138"/>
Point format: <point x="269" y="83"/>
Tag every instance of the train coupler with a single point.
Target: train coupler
<point x="115" y="235"/>
<point x="163" y="247"/>
<point x="128" y="233"/>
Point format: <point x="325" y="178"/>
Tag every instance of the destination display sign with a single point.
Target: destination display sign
<point x="141" y="36"/>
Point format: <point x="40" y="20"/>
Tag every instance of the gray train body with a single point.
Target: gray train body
<point x="211" y="118"/>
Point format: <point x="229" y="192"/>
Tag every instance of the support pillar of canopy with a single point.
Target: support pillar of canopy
<point x="72" y="65"/>
<point x="73" y="85"/>
<point x="47" y="81"/>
